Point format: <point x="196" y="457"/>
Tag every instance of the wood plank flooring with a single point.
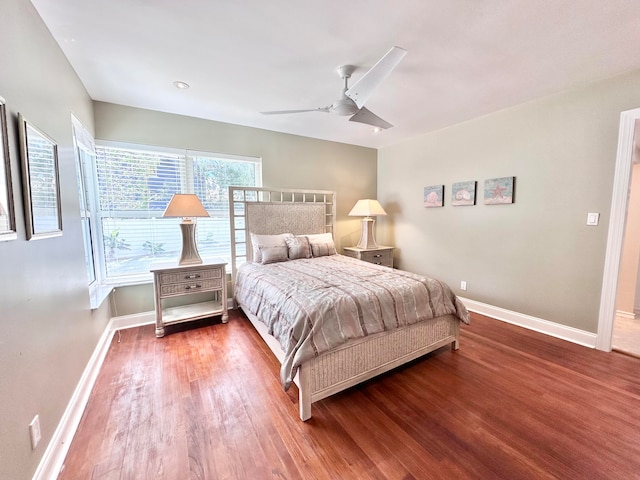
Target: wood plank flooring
<point x="206" y="403"/>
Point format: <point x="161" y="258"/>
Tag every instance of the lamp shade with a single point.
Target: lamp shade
<point x="367" y="208"/>
<point x="185" y="205"/>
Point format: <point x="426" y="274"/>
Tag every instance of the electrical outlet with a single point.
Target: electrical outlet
<point x="34" y="432"/>
<point x="463" y="285"/>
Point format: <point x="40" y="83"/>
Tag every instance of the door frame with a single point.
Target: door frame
<point x="617" y="220"/>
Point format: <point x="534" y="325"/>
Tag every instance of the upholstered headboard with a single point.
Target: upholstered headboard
<point x="273" y="211"/>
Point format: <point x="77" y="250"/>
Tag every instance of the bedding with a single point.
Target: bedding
<point x="312" y="305"/>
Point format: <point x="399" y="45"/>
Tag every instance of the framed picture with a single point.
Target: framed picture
<point x="463" y="193"/>
<point x="7" y="212"/>
<point x="499" y="191"/>
<point x="434" y="196"/>
<point x="40" y="182"/>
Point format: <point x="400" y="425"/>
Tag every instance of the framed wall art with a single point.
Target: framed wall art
<point x="40" y="182"/>
<point x="434" y="196"/>
<point x="499" y="191"/>
<point x="7" y="212"/>
<point x="463" y="193"/>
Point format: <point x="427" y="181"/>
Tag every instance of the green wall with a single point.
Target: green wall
<point x="288" y="161"/>
<point x="537" y="256"/>
<point x="48" y="330"/>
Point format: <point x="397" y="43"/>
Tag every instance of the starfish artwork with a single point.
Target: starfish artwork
<point x="498" y="191"/>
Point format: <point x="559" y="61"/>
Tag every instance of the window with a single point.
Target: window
<point x="133" y="187"/>
<point x="85" y="155"/>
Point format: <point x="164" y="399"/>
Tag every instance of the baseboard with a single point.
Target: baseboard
<point x="557" y="330"/>
<point x="53" y="458"/>
<point x="624" y="314"/>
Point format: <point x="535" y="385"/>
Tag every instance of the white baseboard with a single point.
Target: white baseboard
<point x="624" y="314"/>
<point x="557" y="330"/>
<point x="53" y="458"/>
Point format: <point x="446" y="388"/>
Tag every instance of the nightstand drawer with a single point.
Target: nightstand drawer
<point x="190" y="287"/>
<point x="378" y="257"/>
<point x="195" y="275"/>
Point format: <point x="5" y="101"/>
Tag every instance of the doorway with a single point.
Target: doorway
<point x="618" y="217"/>
<point x="626" y="328"/>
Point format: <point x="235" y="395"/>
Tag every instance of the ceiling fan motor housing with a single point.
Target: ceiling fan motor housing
<point x="344" y="106"/>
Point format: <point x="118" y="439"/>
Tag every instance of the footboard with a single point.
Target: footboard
<point x="364" y="358"/>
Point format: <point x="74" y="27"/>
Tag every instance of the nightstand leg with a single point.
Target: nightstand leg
<point x="225" y="317"/>
<point x="159" y="332"/>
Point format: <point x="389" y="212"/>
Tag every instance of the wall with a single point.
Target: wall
<point x="48" y="330"/>
<point x="537" y="256"/>
<point x="288" y="161"/>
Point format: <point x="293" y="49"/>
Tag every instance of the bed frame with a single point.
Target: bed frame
<point x="273" y="211"/>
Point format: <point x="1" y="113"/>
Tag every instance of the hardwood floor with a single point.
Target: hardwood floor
<point x="206" y="403"/>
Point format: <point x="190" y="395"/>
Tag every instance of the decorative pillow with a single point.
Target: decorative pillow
<point x="274" y="254"/>
<point x="299" y="247"/>
<point x="258" y="241"/>
<point x="323" y="249"/>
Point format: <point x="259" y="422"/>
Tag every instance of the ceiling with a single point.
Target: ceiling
<point x="466" y="58"/>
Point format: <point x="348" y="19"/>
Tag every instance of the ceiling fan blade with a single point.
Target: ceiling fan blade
<point x="368" y="117"/>
<point x="280" y="112"/>
<point x="360" y="91"/>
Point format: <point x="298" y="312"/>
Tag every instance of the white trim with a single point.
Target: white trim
<point x="617" y="221"/>
<point x="623" y="314"/>
<point x="53" y="458"/>
<point x="553" y="329"/>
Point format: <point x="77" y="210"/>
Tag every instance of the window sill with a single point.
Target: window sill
<point x="99" y="294"/>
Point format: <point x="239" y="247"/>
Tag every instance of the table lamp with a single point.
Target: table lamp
<point x="367" y="208"/>
<point x="187" y="205"/>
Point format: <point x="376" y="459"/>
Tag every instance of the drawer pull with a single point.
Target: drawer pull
<point x="377" y="256"/>
<point x="378" y="263"/>
<point x="192" y="287"/>
<point x="189" y="277"/>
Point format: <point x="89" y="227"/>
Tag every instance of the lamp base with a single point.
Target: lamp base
<point x="189" y="254"/>
<point x="367" y="238"/>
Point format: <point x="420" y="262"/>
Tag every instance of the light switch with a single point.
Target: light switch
<point x="593" y="218"/>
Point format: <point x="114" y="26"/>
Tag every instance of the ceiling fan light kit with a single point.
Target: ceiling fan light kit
<point x="352" y="100"/>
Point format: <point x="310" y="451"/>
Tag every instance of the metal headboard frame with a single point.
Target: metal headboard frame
<point x="242" y="199"/>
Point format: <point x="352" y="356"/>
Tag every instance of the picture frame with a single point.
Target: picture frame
<point x="433" y="196"/>
<point x="40" y="181"/>
<point x="7" y="210"/>
<point x="463" y="193"/>
<point x="499" y="191"/>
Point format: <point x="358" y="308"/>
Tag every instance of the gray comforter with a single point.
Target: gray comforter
<point x="313" y="305"/>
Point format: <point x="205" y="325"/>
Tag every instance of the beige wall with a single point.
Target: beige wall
<point x="537" y="256"/>
<point x="288" y="161"/>
<point x="47" y="330"/>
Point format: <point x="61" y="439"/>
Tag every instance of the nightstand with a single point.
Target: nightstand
<point x="183" y="293"/>
<point x="379" y="255"/>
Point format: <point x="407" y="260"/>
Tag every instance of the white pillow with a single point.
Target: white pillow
<point x="258" y="241"/>
<point x="320" y="237"/>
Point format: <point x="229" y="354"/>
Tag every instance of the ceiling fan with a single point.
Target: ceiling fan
<point x="353" y="98"/>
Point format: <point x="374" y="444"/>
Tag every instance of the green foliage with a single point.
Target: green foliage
<point x="113" y="242"/>
<point x="152" y="248"/>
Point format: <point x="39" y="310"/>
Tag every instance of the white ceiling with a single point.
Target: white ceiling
<point x="465" y="58"/>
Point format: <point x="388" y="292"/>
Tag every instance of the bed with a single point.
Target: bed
<point x="353" y="331"/>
